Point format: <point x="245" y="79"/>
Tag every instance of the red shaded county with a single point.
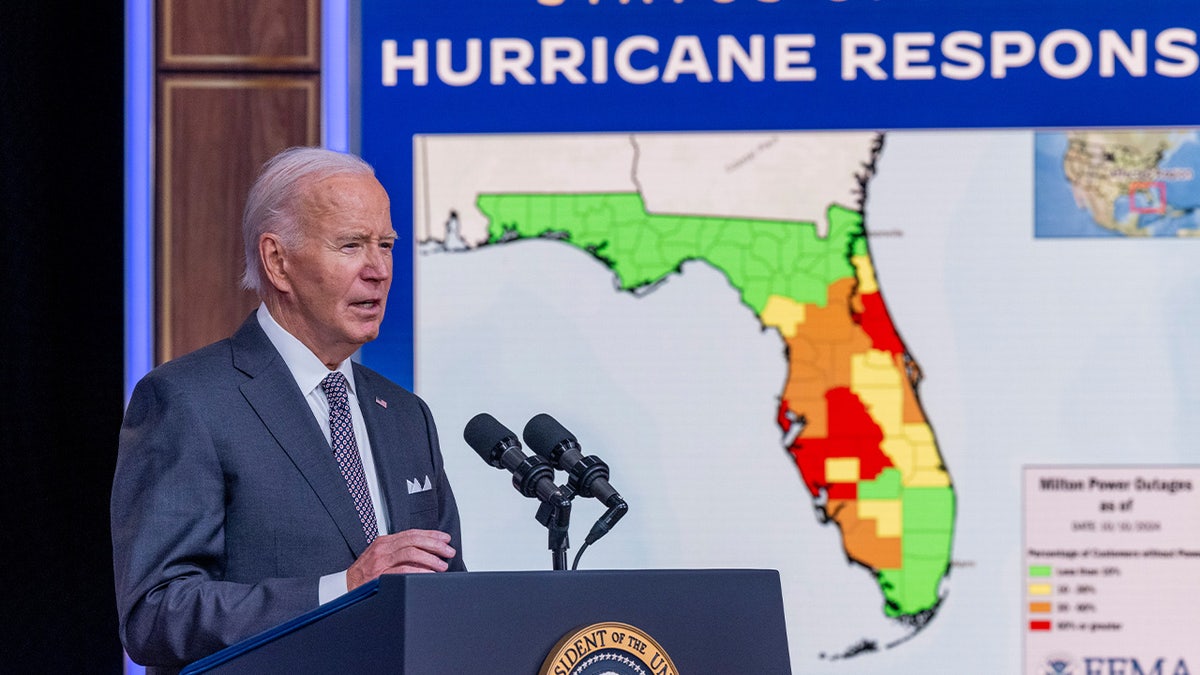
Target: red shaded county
<point x="852" y="433"/>
<point x="877" y="324"/>
<point x="836" y="490"/>
<point x="843" y="490"/>
<point x="784" y="422"/>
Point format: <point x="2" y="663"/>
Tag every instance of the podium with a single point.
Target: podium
<point x="706" y="621"/>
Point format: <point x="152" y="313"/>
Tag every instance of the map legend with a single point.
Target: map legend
<point x="1111" y="558"/>
<point x="1038" y="590"/>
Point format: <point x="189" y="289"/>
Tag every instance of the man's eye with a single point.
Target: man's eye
<point x="386" y="245"/>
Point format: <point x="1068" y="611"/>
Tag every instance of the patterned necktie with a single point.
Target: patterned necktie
<point x="345" y="451"/>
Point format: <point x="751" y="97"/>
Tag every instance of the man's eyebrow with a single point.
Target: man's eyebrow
<point x="364" y="236"/>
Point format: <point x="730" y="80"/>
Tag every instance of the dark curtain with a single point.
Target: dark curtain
<point x="61" y="220"/>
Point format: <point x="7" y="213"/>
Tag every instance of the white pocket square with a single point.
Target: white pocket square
<point x="415" y="485"/>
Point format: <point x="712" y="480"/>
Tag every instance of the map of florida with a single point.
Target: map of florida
<point x="849" y="410"/>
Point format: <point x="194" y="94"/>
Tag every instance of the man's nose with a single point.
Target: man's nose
<point x="378" y="264"/>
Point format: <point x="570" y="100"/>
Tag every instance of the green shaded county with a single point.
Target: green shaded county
<point x="926" y="528"/>
<point x="884" y="486"/>
<point x="760" y="258"/>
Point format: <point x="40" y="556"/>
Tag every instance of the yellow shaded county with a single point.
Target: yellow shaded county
<point x="887" y="516"/>
<point x="880" y="386"/>
<point x="864" y="270"/>
<point x="915" y="455"/>
<point x="783" y="314"/>
<point x="861" y="538"/>
<point x="842" y="470"/>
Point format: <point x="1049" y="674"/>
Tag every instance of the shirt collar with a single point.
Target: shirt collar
<point x="306" y="368"/>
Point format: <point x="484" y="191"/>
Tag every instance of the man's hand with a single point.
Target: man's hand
<point x="407" y="551"/>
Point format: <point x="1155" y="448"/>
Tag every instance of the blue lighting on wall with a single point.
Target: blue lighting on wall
<point x="139" y="191"/>
<point x="335" y="75"/>
<point x="139" y="201"/>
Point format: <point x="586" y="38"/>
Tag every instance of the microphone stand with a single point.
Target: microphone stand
<point x="555" y="516"/>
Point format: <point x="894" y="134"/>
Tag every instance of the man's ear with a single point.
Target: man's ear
<point x="273" y="257"/>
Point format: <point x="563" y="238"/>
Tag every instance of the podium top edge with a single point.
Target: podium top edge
<point x="484" y="575"/>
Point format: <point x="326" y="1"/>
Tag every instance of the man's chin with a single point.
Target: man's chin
<point x="367" y="332"/>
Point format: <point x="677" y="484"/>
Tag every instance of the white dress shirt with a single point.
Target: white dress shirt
<point x="309" y="371"/>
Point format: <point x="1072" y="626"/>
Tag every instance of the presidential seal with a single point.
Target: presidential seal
<point x="608" y="648"/>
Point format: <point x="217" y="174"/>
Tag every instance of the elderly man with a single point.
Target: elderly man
<point x="261" y="476"/>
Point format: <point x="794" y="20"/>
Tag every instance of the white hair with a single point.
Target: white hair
<point x="275" y="199"/>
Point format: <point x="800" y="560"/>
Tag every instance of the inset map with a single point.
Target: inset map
<point x="1133" y="183"/>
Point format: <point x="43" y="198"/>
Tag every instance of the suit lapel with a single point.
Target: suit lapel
<point x="273" y="394"/>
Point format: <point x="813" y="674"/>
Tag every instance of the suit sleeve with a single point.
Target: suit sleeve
<point x="168" y="513"/>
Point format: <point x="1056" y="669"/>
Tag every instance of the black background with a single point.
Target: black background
<point x="61" y="235"/>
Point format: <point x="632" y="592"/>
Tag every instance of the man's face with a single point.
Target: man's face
<point x="341" y="273"/>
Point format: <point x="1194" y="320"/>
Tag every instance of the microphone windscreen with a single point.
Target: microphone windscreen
<point x="484" y="433"/>
<point x="543" y="433"/>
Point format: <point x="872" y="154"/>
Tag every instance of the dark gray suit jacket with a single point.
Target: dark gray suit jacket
<point x="227" y="504"/>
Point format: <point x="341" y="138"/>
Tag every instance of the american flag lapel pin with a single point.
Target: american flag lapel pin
<point x="381" y="402"/>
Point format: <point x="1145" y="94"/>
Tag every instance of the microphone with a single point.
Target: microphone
<point x="588" y="475"/>
<point x="532" y="475"/>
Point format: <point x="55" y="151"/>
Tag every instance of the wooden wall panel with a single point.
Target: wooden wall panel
<point x="240" y="34"/>
<point x="238" y="81"/>
<point x="215" y="133"/>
